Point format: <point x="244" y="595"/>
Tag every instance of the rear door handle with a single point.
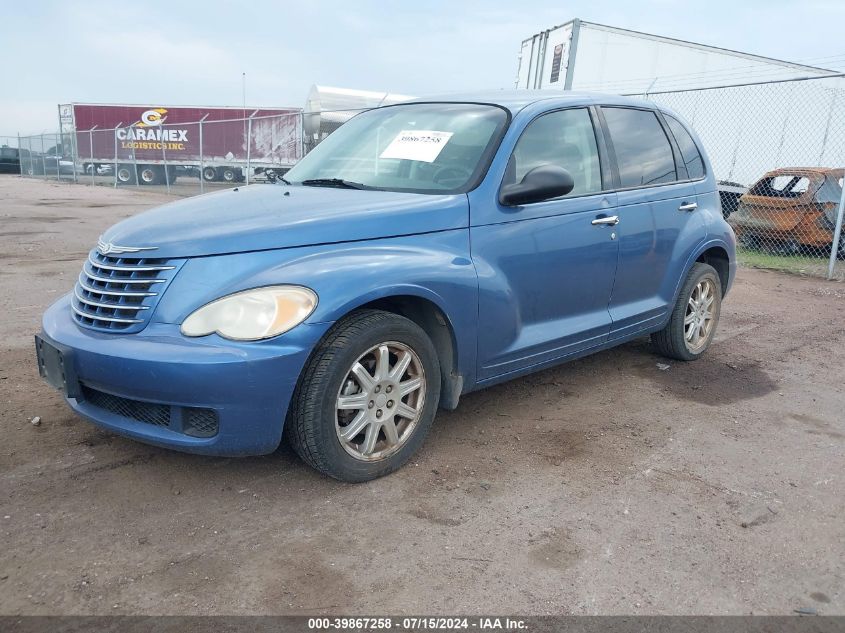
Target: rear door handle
<point x="610" y="220"/>
<point x="688" y="206"/>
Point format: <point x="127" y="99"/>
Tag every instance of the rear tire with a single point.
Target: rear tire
<point x="150" y="175"/>
<point x="209" y="174"/>
<point x="391" y="415"/>
<point x="694" y="318"/>
<point x="229" y="174"/>
<point x="126" y="174"/>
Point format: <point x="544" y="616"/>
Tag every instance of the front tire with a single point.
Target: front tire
<point x="367" y="397"/>
<point x="693" y="322"/>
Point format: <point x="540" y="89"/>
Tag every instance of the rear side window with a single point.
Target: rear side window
<point x="643" y="153"/>
<point x="689" y="151"/>
<point x="8" y="152"/>
<point x="783" y="186"/>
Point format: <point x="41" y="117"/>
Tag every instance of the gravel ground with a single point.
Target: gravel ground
<point x="604" y="486"/>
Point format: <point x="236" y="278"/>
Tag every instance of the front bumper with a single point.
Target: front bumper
<point x="247" y="385"/>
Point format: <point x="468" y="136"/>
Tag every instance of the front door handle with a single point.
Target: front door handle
<point x="688" y="206"/>
<point x="610" y="220"/>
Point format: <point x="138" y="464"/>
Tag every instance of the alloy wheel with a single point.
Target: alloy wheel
<point x="700" y="315"/>
<point x="380" y="401"/>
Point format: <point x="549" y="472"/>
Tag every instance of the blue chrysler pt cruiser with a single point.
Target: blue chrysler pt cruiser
<point x="422" y="251"/>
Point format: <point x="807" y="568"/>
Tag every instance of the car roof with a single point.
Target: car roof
<point x="516" y="100"/>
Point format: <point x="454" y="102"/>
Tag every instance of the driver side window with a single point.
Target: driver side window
<point x="565" y="139"/>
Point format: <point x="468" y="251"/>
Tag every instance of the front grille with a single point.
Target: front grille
<point x="118" y="294"/>
<point x="193" y="421"/>
<point x="155" y="414"/>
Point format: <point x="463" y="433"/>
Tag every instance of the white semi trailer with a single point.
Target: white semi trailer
<point x="579" y="55"/>
<point x="749" y="111"/>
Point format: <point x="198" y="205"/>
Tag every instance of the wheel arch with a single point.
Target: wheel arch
<point x="717" y="257"/>
<point x="429" y="314"/>
<point x="716" y="253"/>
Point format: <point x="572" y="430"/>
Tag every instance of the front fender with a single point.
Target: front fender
<point x="432" y="266"/>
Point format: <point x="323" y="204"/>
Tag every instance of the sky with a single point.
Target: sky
<point x="195" y="53"/>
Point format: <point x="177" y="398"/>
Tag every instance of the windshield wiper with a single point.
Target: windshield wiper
<point x="334" y="182"/>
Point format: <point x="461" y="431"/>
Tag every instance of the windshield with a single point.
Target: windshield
<point x="423" y="148"/>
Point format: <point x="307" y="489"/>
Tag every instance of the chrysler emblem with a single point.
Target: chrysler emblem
<point x="107" y="248"/>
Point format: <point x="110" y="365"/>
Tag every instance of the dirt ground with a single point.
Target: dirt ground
<point x="605" y="486"/>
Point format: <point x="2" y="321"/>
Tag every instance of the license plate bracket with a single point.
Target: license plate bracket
<point x="55" y="365"/>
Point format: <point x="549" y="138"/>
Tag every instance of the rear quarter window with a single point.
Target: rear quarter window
<point x="643" y="153"/>
<point x="689" y="150"/>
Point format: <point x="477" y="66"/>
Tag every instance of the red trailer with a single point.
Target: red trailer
<point x="152" y="144"/>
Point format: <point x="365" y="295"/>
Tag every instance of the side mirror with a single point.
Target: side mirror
<point x="541" y="183"/>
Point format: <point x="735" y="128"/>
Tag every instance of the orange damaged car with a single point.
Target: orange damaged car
<point x="791" y="210"/>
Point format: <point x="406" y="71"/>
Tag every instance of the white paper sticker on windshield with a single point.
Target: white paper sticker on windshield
<point x="422" y="145"/>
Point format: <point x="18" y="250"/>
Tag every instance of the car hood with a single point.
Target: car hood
<point x="264" y="217"/>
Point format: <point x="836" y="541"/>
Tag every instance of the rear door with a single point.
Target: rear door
<point x="658" y="225"/>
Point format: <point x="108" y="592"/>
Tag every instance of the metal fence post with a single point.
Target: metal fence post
<point x="134" y="158"/>
<point x="248" y="145"/>
<point x="202" y="158"/>
<point x="91" y="147"/>
<point x="837" y="235"/>
<point x="59" y="155"/>
<point x="114" y="130"/>
<point x="31" y="164"/>
<point x="43" y="159"/>
<point x="20" y="147"/>
<point x="164" y="160"/>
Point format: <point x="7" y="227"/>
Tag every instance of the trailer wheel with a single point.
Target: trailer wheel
<point x="230" y="174"/>
<point x="209" y="174"/>
<point x="150" y="175"/>
<point x="125" y="174"/>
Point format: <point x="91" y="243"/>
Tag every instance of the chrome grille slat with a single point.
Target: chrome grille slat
<point x="114" y="293"/>
<point x="116" y="306"/>
<point x="100" y="317"/>
<point x="123" y="280"/>
<point x="128" y="269"/>
<point x="117" y="292"/>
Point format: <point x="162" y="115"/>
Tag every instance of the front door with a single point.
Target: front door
<point x="546" y="269"/>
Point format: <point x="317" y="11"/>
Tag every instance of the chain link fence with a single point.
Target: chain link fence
<point x="180" y="158"/>
<point x="183" y="159"/>
<point x="778" y="152"/>
<point x="777" y="149"/>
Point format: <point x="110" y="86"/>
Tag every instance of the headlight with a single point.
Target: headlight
<point x="253" y="314"/>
